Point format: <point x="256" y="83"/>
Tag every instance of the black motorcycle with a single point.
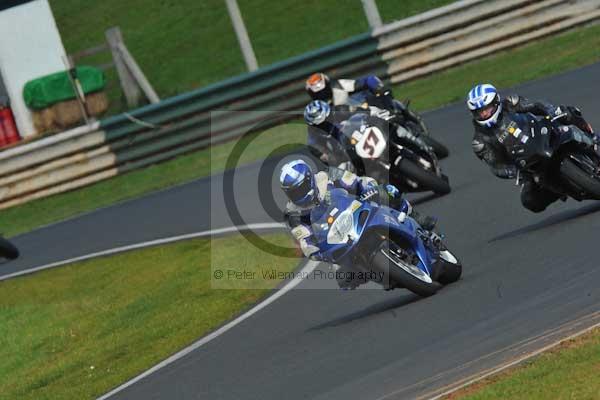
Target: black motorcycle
<point x="560" y="158"/>
<point x="7" y="249"/>
<point x="404" y="165"/>
<point x="394" y="111"/>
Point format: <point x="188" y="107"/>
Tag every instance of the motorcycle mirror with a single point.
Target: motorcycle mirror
<point x="406" y="103"/>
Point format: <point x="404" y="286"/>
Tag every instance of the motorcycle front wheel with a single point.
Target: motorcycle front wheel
<point x="439" y="149"/>
<point x="426" y="179"/>
<point x="391" y="259"/>
<point x="585" y="180"/>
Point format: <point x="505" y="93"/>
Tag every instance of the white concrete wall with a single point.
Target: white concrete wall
<point x="30" y="46"/>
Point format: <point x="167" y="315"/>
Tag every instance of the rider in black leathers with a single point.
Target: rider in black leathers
<point x="489" y="119"/>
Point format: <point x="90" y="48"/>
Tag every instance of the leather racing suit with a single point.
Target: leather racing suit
<point x="488" y="149"/>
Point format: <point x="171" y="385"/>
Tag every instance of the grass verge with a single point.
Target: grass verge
<point x="569" y="371"/>
<point x="77" y="331"/>
<point x="570" y="50"/>
<point x="185" y="44"/>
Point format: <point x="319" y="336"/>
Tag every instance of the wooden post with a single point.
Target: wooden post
<point x="128" y="83"/>
<point x="137" y="73"/>
<point x="372" y="13"/>
<point x="79" y="95"/>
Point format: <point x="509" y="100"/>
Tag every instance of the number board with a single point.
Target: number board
<point x="371" y="144"/>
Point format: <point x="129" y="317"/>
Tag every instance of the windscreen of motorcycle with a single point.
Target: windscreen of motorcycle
<point x="526" y="137"/>
<point x="334" y="224"/>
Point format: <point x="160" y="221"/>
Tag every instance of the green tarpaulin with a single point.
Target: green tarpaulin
<point x="50" y="89"/>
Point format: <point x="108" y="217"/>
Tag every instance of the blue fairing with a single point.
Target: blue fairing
<point x="365" y="216"/>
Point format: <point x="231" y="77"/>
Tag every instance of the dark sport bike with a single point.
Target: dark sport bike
<point x="560" y="158"/>
<point x="373" y="152"/>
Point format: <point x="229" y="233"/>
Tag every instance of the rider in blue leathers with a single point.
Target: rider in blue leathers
<point x="306" y="190"/>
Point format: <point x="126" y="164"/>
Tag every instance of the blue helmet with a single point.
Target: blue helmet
<point x="484" y="103"/>
<point x="316" y="112"/>
<point x="298" y="182"/>
<point x="374" y="83"/>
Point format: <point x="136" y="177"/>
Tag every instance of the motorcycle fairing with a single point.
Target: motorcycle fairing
<point x="367" y="217"/>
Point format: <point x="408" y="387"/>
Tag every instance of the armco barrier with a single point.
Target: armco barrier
<point x="400" y="51"/>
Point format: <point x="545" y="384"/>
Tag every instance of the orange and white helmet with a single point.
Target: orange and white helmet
<point x="319" y="87"/>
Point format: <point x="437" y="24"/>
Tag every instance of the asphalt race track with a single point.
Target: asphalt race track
<point x="185" y="209"/>
<point x="524" y="274"/>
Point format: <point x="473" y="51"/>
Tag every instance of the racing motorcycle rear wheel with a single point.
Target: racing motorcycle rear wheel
<point x="426" y="179"/>
<point x="395" y="262"/>
<point x="582" y="176"/>
<point x="8" y="250"/>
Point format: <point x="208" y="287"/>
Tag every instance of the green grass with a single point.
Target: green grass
<point x="185" y="44"/>
<point x="533" y="61"/>
<point x="571" y="371"/>
<point x="77" y="331"/>
<point x="570" y="50"/>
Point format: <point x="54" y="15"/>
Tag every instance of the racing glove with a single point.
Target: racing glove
<point x="392" y="191"/>
<point x="374" y="84"/>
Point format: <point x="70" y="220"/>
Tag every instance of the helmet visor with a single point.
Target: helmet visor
<point x="486" y="112"/>
<point x="298" y="193"/>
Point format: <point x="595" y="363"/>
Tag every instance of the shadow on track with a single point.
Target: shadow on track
<point x="375" y="309"/>
<point x="552" y="220"/>
<point x="424" y="199"/>
<point x="417" y="198"/>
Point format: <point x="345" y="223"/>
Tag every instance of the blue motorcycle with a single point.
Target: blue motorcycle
<point x="380" y="244"/>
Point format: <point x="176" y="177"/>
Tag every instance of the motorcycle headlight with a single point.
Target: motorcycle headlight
<point x="341" y="228"/>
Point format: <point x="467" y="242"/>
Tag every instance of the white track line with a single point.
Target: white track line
<point x="307" y="269"/>
<point x="229" y="229"/>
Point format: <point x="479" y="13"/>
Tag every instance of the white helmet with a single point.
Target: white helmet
<point x="485" y="105"/>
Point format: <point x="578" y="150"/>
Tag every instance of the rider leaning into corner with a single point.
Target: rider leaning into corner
<point x="325" y="126"/>
<point x="337" y="92"/>
<point x="324" y="131"/>
<point x="489" y="119"/>
<point x="306" y="191"/>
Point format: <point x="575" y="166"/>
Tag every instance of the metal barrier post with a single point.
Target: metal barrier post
<point x="242" y="34"/>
